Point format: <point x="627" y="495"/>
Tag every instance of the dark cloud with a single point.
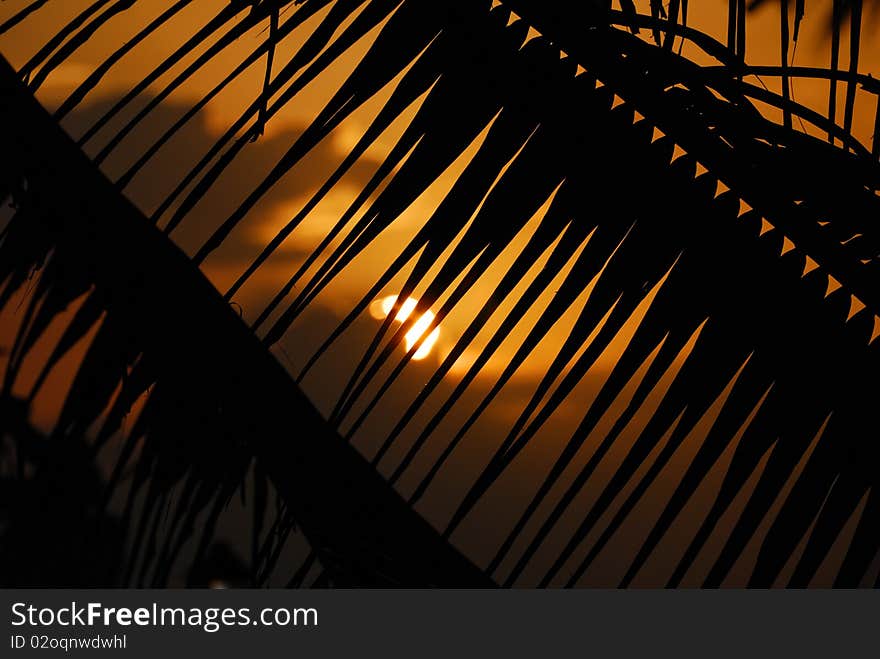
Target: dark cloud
<point x="154" y="182"/>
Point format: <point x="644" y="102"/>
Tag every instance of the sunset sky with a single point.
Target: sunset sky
<point x="223" y="267"/>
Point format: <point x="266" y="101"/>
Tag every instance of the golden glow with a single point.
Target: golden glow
<point x="382" y="307"/>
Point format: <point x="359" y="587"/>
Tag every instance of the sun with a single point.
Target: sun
<point x="382" y="307"/>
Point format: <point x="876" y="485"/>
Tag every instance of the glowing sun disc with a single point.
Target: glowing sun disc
<point x="382" y="307"/>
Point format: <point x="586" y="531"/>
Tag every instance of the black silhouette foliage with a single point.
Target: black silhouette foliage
<point x="664" y="178"/>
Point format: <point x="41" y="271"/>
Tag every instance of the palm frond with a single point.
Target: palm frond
<point x="717" y="227"/>
<point x="158" y="332"/>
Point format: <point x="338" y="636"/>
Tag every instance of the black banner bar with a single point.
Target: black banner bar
<point x="442" y="623"/>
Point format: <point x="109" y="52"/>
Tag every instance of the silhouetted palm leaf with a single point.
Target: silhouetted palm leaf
<point x="161" y="330"/>
<point x="671" y="193"/>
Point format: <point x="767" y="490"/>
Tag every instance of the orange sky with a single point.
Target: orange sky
<point x="297" y="187"/>
<point x="279" y="206"/>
